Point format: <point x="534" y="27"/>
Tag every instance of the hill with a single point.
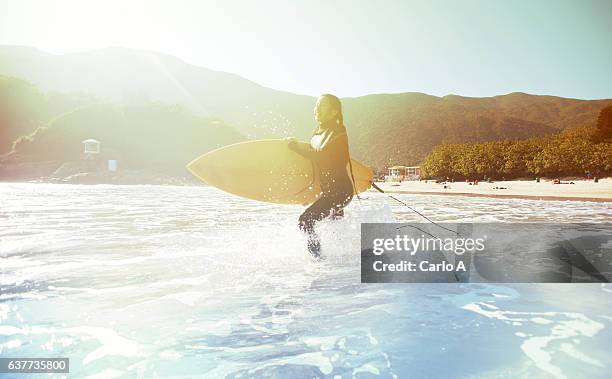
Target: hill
<point x="155" y="138"/>
<point x="403" y="128"/>
<point x="23" y="108"/>
<point x="129" y="75"/>
<point x="384" y="129"/>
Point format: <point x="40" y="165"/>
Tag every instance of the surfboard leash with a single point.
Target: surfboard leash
<point x="412" y="209"/>
<point x="353" y="180"/>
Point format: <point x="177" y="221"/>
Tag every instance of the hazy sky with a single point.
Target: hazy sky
<point x="351" y="48"/>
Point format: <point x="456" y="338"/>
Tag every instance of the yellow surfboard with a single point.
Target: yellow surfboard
<point x="267" y="170"/>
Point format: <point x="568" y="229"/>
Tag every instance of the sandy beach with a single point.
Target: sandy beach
<point x="581" y="190"/>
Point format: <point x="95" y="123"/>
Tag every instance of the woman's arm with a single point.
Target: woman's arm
<point x="303" y="149"/>
<point x="336" y="149"/>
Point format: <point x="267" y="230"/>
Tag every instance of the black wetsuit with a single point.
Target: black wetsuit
<point x="330" y="153"/>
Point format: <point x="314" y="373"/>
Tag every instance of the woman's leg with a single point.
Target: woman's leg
<point x="341" y="202"/>
<point x="317" y="211"/>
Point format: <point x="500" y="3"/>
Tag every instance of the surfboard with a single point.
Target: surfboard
<point x="267" y="170"/>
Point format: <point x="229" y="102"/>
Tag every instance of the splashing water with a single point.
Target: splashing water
<point x="158" y="281"/>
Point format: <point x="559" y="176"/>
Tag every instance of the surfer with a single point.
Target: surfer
<point x="329" y="151"/>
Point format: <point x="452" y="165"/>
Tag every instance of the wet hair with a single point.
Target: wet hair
<point x="336" y="104"/>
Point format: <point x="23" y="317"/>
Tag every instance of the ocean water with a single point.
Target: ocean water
<point x="163" y="281"/>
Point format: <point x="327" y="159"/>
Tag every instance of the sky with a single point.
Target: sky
<point x="349" y="48"/>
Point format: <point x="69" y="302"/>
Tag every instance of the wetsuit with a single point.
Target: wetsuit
<point x="329" y="151"/>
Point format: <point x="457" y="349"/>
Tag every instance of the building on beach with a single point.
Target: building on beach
<point x="92" y="148"/>
<point x="401" y="173"/>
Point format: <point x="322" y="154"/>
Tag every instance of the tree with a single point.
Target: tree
<point x="566" y="153"/>
<point x="603" y="133"/>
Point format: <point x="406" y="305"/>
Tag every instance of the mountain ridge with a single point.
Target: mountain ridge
<point x="384" y="129"/>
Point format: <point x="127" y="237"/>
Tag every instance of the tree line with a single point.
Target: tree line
<point x="573" y="152"/>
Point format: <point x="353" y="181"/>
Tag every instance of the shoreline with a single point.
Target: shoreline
<point x="581" y="190"/>
<point x="502" y="196"/>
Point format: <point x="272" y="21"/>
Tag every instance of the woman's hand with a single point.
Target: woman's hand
<point x="291" y="141"/>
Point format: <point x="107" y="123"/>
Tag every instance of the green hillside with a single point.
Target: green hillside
<point x="23" y="108"/>
<point x="122" y="74"/>
<point x="154" y="136"/>
<point x="384" y="129"/>
<point x="387" y="130"/>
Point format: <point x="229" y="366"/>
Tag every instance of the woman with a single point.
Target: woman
<point x="330" y="152"/>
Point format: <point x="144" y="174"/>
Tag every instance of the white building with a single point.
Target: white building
<point x="92" y="147"/>
<point x="400" y="173"/>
